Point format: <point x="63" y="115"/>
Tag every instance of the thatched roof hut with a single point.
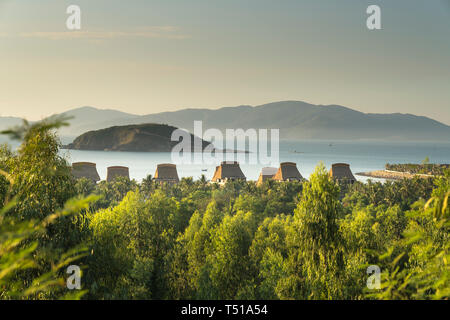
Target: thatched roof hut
<point x="117" y="171"/>
<point x="85" y="170"/>
<point x="166" y="172"/>
<point x="342" y="172"/>
<point x="288" y="172"/>
<point x="266" y="174"/>
<point x="228" y="171"/>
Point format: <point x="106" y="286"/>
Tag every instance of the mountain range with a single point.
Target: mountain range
<point x="296" y="120"/>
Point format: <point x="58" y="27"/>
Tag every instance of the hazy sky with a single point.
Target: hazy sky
<point x="145" y="56"/>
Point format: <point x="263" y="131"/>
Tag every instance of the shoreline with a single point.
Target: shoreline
<point x="393" y="175"/>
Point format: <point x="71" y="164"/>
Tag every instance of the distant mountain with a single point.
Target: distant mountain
<point x="6" y="123"/>
<point x="88" y="118"/>
<point x="89" y="115"/>
<point x="295" y="119"/>
<point x="299" y="120"/>
<point x="135" y="138"/>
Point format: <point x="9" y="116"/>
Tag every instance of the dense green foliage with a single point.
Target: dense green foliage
<point x="195" y="240"/>
<point x="38" y="237"/>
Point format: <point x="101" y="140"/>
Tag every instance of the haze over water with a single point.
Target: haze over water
<point x="362" y="156"/>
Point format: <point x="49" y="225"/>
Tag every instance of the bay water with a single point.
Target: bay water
<point x="361" y="155"/>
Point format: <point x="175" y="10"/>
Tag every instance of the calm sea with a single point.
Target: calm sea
<point x="362" y="156"/>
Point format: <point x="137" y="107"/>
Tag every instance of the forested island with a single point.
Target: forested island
<point x="149" y="137"/>
<point x="197" y="240"/>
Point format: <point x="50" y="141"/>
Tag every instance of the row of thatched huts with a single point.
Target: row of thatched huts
<point x="288" y="172"/>
<point x="164" y="172"/>
<point x="89" y="170"/>
<point x="227" y="171"/>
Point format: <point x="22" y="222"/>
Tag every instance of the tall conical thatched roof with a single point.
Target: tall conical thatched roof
<point x="117" y="171"/>
<point x="228" y="171"/>
<point x="288" y="172"/>
<point x="85" y="170"/>
<point x="341" y="171"/>
<point x="266" y="173"/>
<point x="166" y="172"/>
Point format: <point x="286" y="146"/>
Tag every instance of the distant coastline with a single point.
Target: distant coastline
<point x="393" y="175"/>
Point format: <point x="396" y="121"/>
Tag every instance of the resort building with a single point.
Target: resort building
<point x="228" y="171"/>
<point x="117" y="171"/>
<point x="288" y="172"/>
<point x="266" y="174"/>
<point x="341" y="172"/>
<point x="166" y="172"/>
<point x="86" y="170"/>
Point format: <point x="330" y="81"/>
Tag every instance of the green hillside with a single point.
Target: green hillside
<point x="136" y="138"/>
